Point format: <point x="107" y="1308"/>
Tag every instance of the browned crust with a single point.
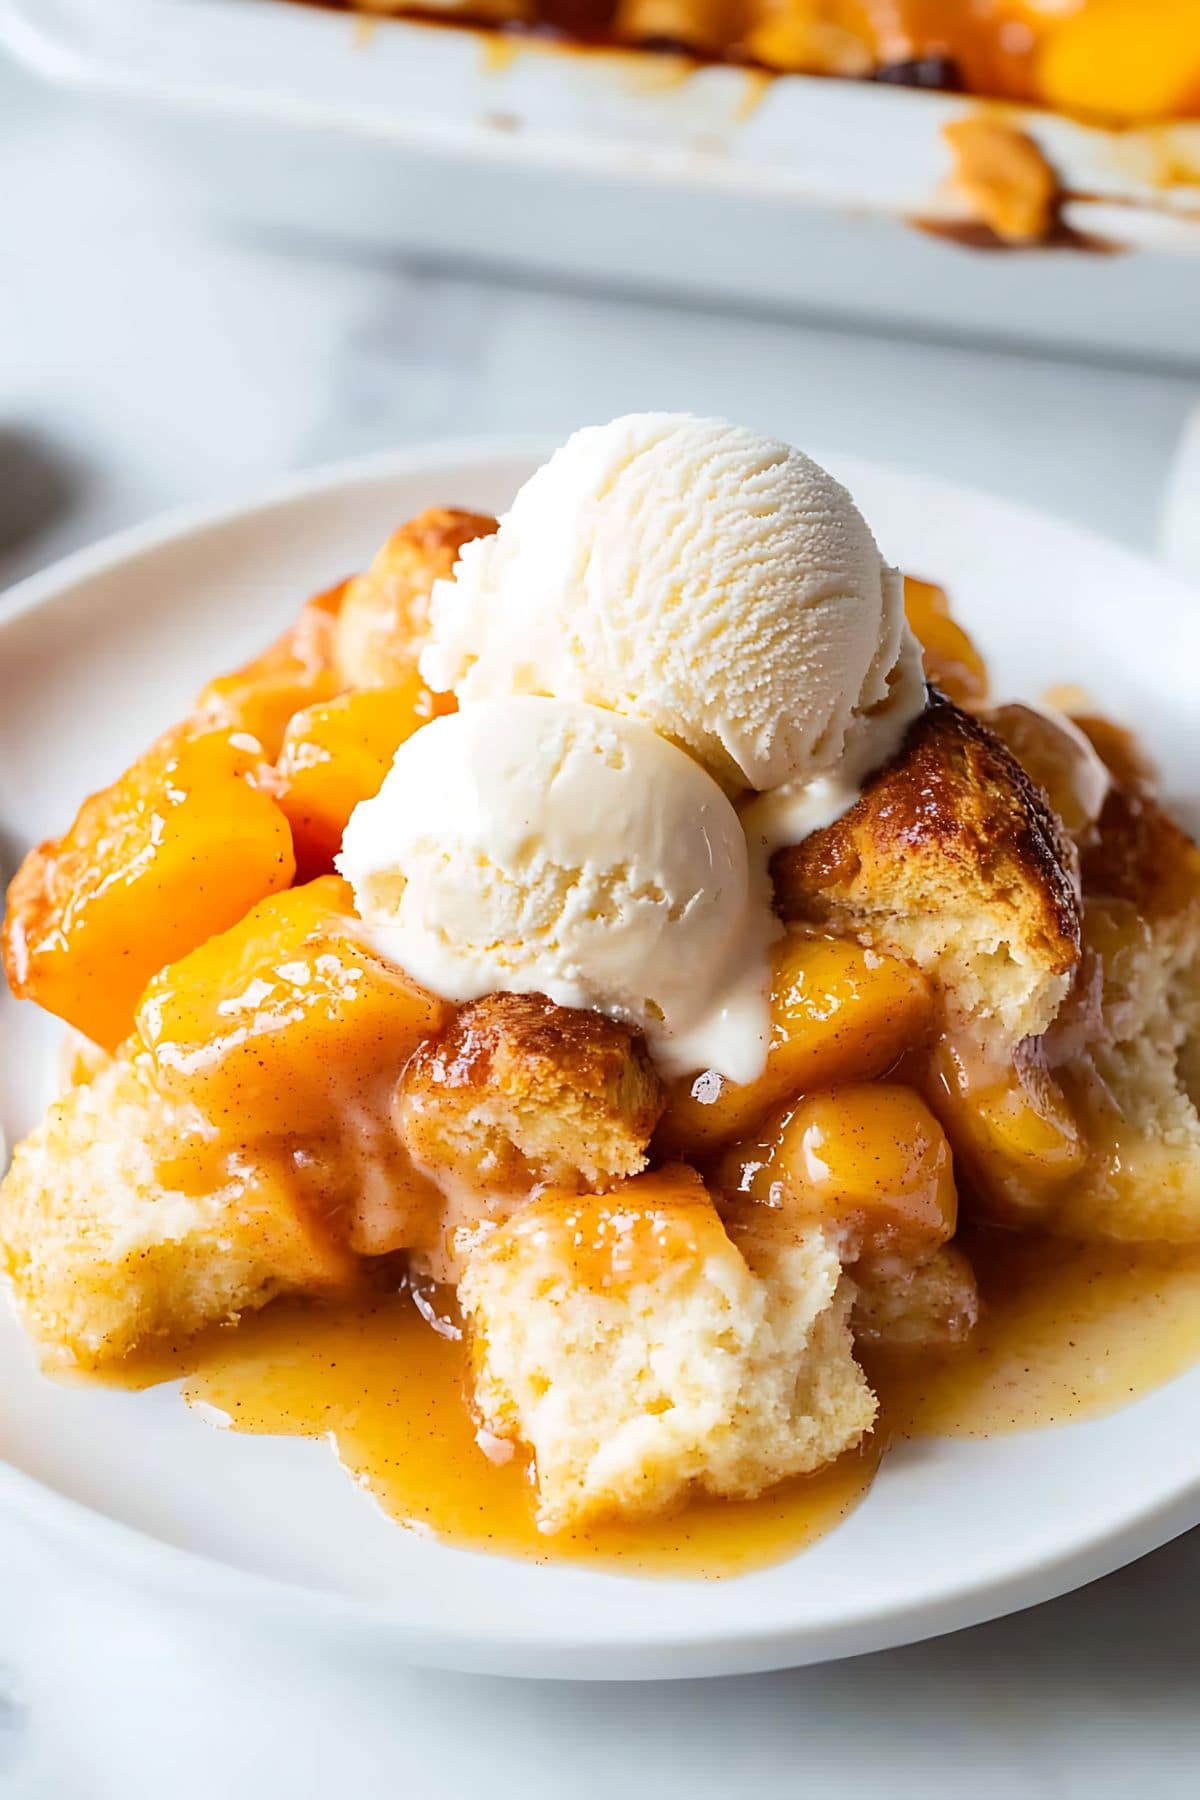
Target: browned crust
<point x="953" y="819"/>
<point x="384" y="616"/>
<point x="517" y="1039"/>
<point x="575" y="1090"/>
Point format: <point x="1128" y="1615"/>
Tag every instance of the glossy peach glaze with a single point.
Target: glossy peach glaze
<point x="336" y="754"/>
<point x="1067" y="1332"/>
<point x="394" y="1398"/>
<point x="869" y="1159"/>
<point x="839" y="1013"/>
<point x="289" y="1027"/>
<point x="610" y="1243"/>
<point x="179" y="848"/>
<point x="1017" y="1138"/>
<point x="952" y="663"/>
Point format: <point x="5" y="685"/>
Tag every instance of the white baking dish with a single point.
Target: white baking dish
<point x="628" y="168"/>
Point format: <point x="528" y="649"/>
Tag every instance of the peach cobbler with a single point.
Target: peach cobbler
<point x="1118" y="61"/>
<point x="629" y="937"/>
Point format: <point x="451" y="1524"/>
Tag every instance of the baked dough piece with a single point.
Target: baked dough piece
<point x="515" y="1094"/>
<point x="906" y="1305"/>
<point x="1131" y="1041"/>
<point x="629" y="1343"/>
<point x="518" y="1091"/>
<point x="952" y="858"/>
<point x="118" y="1224"/>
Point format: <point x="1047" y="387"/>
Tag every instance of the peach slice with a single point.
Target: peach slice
<point x="288" y="1022"/>
<point x="1123" y="60"/>
<point x="952" y="663"/>
<point x="337" y="753"/>
<point x="839" y="1013"/>
<point x="869" y="1158"/>
<point x="1014" y="1132"/>
<point x="173" y="852"/>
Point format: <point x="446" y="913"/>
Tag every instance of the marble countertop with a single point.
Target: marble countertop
<point x="145" y="360"/>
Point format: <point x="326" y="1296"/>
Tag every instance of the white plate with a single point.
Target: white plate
<point x="98" y="654"/>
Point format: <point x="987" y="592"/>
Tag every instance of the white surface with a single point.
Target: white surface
<point x="114" y="1699"/>
<point x="141" y="365"/>
<point x="625" y="167"/>
<point x="1181" y="508"/>
<point x="90" y="646"/>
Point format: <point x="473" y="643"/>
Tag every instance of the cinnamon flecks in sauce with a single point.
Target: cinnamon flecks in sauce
<point x="1068" y="1332"/>
<point x="392" y="1396"/>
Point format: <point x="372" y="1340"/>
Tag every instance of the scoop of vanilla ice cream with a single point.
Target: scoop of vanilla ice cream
<point x="538" y="845"/>
<point x="718" y="585"/>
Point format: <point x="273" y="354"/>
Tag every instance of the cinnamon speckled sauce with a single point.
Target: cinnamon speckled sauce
<point x="1067" y="1332"/>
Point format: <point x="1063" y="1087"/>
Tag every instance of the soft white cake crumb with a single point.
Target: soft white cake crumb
<point x="629" y="1343"/>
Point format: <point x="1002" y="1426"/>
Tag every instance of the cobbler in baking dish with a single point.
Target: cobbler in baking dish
<point x="1119" y="61"/>
<point x="611" y="1003"/>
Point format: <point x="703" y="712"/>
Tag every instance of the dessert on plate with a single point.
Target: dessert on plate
<point x="630" y="934"/>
